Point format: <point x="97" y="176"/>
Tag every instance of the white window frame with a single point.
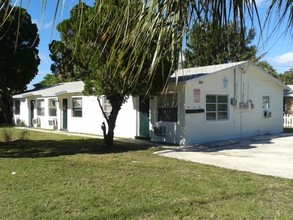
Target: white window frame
<point x="17" y="106"/>
<point x="266" y="106"/>
<point x="40" y="107"/>
<point x="77" y="107"/>
<point x="216" y="110"/>
<point x="52" y="107"/>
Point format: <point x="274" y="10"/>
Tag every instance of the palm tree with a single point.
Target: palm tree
<point x="171" y="20"/>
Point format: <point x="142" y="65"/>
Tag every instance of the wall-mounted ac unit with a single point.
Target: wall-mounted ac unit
<point x="53" y="122"/>
<point x="36" y="122"/>
<point x="160" y="131"/>
<point x="267" y="114"/>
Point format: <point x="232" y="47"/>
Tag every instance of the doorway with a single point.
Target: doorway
<point x="144" y="107"/>
<point x="32" y="112"/>
<point x="64" y="114"/>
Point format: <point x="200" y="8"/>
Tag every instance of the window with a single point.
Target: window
<point x="52" y="107"/>
<point x="40" y="107"/>
<point x="107" y="108"/>
<point x="265" y="102"/>
<point x="77" y="107"/>
<point x="17" y="107"/>
<point x="216" y="107"/>
<point x="266" y="107"/>
<point x="167" y="108"/>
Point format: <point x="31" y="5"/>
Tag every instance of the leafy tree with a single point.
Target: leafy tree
<point x="268" y="68"/>
<point x="48" y="80"/>
<point x="103" y="59"/>
<point x="211" y="44"/>
<point x="172" y="19"/>
<point x="287" y="77"/>
<point x="18" y="54"/>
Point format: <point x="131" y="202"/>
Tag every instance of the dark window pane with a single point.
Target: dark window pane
<point x="167" y="114"/>
<point x="222" y="99"/>
<point x="210" y="98"/>
<point x="211" y="116"/>
<point x="222" y="115"/>
<point x="222" y="107"/>
<point x="211" y="107"/>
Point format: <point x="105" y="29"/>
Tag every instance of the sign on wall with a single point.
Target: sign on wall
<point x="196" y="95"/>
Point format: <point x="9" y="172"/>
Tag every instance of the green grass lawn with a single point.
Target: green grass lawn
<point x="49" y="176"/>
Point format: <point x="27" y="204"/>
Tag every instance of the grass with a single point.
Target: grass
<point x="49" y="176"/>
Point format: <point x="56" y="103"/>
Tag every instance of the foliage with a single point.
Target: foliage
<point x="20" y="123"/>
<point x="7" y="134"/>
<point x="287" y="77"/>
<point x="210" y="44"/>
<point x="64" y="177"/>
<point x="103" y="58"/>
<point x="49" y="80"/>
<point x="268" y="68"/>
<point x="11" y="134"/>
<point x="18" y="55"/>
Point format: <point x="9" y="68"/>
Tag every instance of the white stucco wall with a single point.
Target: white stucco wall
<point x="247" y="86"/>
<point x="250" y="85"/>
<point x="91" y="120"/>
<point x="174" y="131"/>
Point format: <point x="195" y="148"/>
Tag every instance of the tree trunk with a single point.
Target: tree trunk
<point x="6" y="108"/>
<point x="116" y="103"/>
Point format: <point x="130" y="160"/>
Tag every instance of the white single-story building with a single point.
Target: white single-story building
<point x="288" y="101"/>
<point x="64" y="107"/>
<point x="201" y="104"/>
<point x="218" y="102"/>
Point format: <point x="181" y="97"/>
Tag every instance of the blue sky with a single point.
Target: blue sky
<point x="277" y="47"/>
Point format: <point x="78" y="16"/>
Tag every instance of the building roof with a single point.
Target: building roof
<point x="290" y="92"/>
<point x="55" y="90"/>
<point x="195" y="72"/>
<point x="183" y="75"/>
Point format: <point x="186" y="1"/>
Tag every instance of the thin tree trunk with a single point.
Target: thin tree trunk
<point x="116" y="103"/>
<point x="6" y="108"/>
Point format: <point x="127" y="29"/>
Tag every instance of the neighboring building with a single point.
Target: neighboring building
<point x="201" y="104"/>
<point x="218" y="102"/>
<point x="288" y="101"/>
<point x="63" y="107"/>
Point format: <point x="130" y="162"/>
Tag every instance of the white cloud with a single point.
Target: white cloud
<point x="47" y="25"/>
<point x="286" y="58"/>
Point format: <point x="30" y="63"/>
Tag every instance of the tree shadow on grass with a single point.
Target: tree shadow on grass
<point x="55" y="148"/>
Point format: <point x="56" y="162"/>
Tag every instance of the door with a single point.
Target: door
<point x="144" y="130"/>
<point x="32" y="112"/>
<point x="64" y="114"/>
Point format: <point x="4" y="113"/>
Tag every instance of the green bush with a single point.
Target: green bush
<point x="11" y="134"/>
<point x="20" y="123"/>
<point x="7" y="134"/>
<point x="24" y="134"/>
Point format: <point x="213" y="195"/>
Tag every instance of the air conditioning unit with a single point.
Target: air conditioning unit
<point x="160" y="131"/>
<point x="53" y="122"/>
<point x="36" y="122"/>
<point x="267" y="114"/>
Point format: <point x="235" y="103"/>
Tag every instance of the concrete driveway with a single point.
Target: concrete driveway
<point x="268" y="155"/>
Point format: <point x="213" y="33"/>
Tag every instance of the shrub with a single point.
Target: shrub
<point x="7" y="134"/>
<point x="24" y="134"/>
<point x="20" y="123"/>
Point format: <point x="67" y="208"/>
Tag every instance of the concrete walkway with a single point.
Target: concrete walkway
<point x="268" y="155"/>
